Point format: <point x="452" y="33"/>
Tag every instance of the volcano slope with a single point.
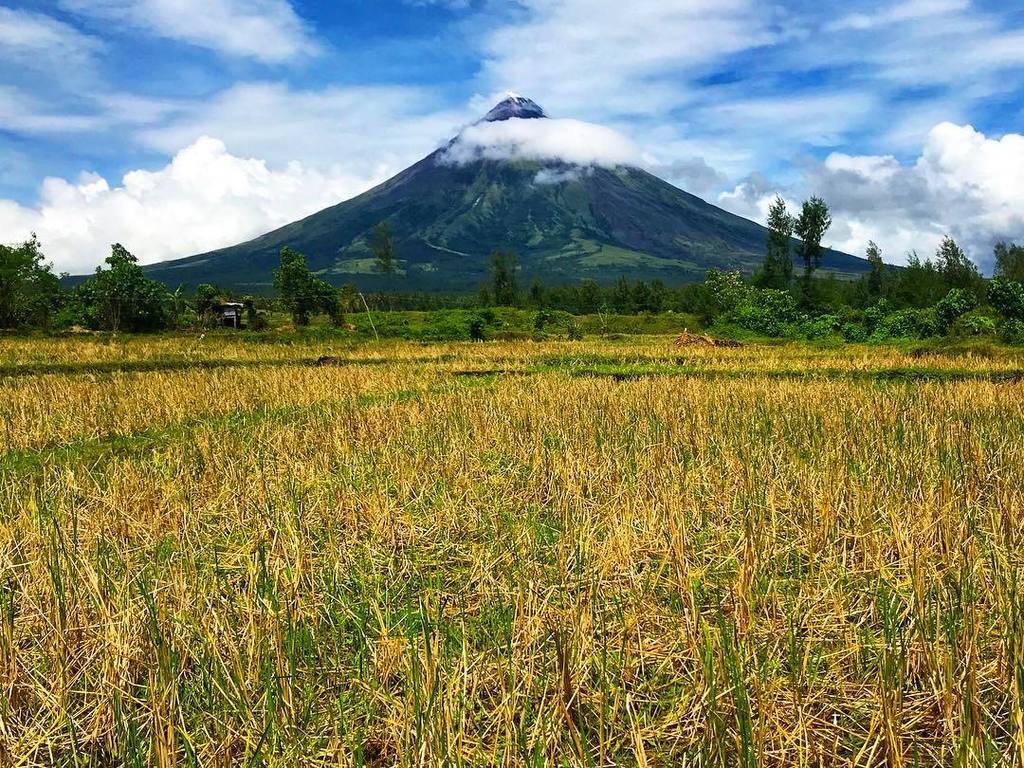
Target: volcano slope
<point x="566" y="221"/>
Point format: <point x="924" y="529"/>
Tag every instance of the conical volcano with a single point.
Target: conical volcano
<point x="562" y="195"/>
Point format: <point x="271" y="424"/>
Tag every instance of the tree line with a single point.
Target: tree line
<point x="785" y="296"/>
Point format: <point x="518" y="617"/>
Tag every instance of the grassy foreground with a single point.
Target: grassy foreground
<point x="602" y="553"/>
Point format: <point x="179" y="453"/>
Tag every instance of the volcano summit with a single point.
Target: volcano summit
<point x="567" y="196"/>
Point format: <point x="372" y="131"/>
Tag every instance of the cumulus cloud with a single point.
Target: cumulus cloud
<point x="963" y="183"/>
<point x="205" y="198"/>
<point x="566" y="141"/>
<point x="266" y="30"/>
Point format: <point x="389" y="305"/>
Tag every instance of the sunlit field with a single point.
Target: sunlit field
<point x="214" y="551"/>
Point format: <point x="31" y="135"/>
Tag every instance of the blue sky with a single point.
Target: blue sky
<point x="176" y="126"/>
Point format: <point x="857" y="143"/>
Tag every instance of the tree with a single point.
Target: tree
<point x="383" y="248"/>
<point x="876" y="280"/>
<point x="919" y="284"/>
<point x="206" y="298"/>
<point x="622" y="297"/>
<point x="121" y="298"/>
<point x="180" y="312"/>
<point x="29" y="291"/>
<point x="537" y="298"/>
<point x="292" y="283"/>
<point x="777" y="268"/>
<point x="643" y="298"/>
<point x="957" y="270"/>
<point x="811" y="226"/>
<point x="589" y="300"/>
<point x="328" y="301"/>
<point x="659" y="295"/>
<point x="254" y="321"/>
<point x="721" y="294"/>
<point x="302" y="292"/>
<point x="1010" y="261"/>
<point x="503" y="278"/>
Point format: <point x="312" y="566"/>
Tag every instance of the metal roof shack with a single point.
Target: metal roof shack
<point x="230" y="313"/>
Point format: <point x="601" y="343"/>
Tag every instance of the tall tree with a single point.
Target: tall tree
<point x="956" y="269"/>
<point x="119" y="297"/>
<point x="29" y="291"/>
<point x="919" y="284"/>
<point x="1010" y="261"/>
<point x="876" y="279"/>
<point x="383" y="247"/>
<point x="659" y="294"/>
<point x="302" y="292"/>
<point x="589" y="297"/>
<point x="503" y="278"/>
<point x="777" y="268"/>
<point x="811" y="226"/>
<point x="622" y="297"/>
<point x="537" y="295"/>
<point x="642" y="297"/>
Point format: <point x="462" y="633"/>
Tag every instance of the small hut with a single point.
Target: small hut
<point x="230" y="313"/>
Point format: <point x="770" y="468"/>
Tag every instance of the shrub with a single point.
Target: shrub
<point x="477" y="328"/>
<point x="1007" y="298"/>
<point x="854" y="333"/>
<point x="574" y="331"/>
<point x="258" y="321"/>
<point x="818" y="328"/>
<point x="908" y="324"/>
<point x="955" y="304"/>
<point x="875" y="316"/>
<point x="767" y="312"/>
<point x="541" y="319"/>
<point x="1013" y="332"/>
<point x="973" y="324"/>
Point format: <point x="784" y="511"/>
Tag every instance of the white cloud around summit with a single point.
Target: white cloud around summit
<point x="548" y="140"/>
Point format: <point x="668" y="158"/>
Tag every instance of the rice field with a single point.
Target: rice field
<point x="216" y="552"/>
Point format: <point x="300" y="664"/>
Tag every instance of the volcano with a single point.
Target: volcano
<point x="567" y="215"/>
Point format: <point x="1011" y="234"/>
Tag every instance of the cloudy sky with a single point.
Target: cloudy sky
<point x="176" y="126"/>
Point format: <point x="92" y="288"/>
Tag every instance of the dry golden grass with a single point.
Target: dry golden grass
<point x="509" y="554"/>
